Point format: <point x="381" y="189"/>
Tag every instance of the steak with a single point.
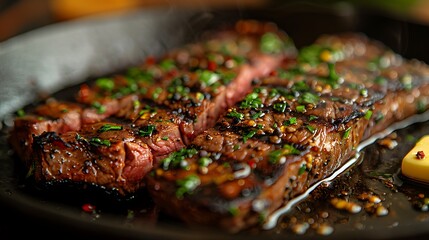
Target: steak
<point x="296" y="127"/>
<point x="161" y="105"/>
<point x="226" y="130"/>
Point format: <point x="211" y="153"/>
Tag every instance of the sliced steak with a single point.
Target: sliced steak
<point x="104" y="154"/>
<point x="199" y="81"/>
<point x="53" y="116"/>
<point x="297" y="127"/>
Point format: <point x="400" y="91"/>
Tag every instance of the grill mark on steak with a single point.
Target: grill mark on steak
<point x="304" y="141"/>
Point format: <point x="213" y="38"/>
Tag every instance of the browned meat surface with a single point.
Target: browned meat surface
<point x="164" y="103"/>
<point x="224" y="131"/>
<point x="103" y="153"/>
<point x="297" y="127"/>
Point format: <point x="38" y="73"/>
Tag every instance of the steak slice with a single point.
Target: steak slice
<point x="53" y="116"/>
<point x="297" y="127"/>
<point x="199" y="81"/>
<point x="105" y="154"/>
<point x="164" y="102"/>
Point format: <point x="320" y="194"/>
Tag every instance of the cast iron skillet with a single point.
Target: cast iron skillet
<point x="61" y="56"/>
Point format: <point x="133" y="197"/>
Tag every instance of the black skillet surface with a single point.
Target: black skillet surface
<point x="63" y="55"/>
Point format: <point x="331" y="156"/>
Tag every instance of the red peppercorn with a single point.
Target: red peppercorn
<point x="420" y="155"/>
<point x="89" y="208"/>
<point x="252" y="163"/>
<point x="211" y="66"/>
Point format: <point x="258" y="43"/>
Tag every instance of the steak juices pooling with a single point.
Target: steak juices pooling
<point x="224" y="131"/>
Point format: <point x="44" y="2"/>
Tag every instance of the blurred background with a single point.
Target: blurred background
<point x="19" y="16"/>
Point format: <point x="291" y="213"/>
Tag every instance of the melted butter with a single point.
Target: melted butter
<point x="415" y="164"/>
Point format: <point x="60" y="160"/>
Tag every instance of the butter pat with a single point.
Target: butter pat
<point x="415" y="164"/>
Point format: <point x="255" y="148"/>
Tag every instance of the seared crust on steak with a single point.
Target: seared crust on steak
<point x="297" y="127"/>
<point x="164" y="103"/>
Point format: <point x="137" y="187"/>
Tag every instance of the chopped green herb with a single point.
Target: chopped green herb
<point x="98" y="142"/>
<point x="140" y="75"/>
<point x="333" y="78"/>
<point x="235" y="114"/>
<point x="300" y="86"/>
<point x="312" y="117"/>
<point x="421" y="106"/>
<point x="109" y="127"/>
<point x="178" y="159"/>
<point x="147" y="131"/>
<point x="208" y="78"/>
<point x="106" y="84"/>
<point x="187" y="185"/>
<point x="165" y="138"/>
<point x="257" y="115"/>
<point x="280" y="107"/>
<point x="248" y="135"/>
<point x="204" y="161"/>
<point x="308" y="97"/>
<point x="236" y="147"/>
<point x="300" y="108"/>
<point x="167" y="64"/>
<point x="234" y="211"/>
<point x="380" y="80"/>
<point x="271" y="43"/>
<point x="302" y="169"/>
<point x="311" y="128"/>
<point x="275" y="156"/>
<point x="99" y="107"/>
<point x="347" y="133"/>
<point x="156" y="93"/>
<point x="368" y="114"/>
<point x="364" y="92"/>
<point x="20" y="113"/>
<point x="290" y="121"/>
<point x="252" y="100"/>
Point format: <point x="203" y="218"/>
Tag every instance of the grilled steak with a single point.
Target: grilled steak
<point x="225" y="130"/>
<point x="295" y="128"/>
<point x="161" y="105"/>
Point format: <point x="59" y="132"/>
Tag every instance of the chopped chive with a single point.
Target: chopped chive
<point x="187" y="185"/>
<point x="178" y="159"/>
<point x="311" y="128"/>
<point x="347" y="133"/>
<point x="300" y="108"/>
<point x="312" y="117"/>
<point x="165" y="138"/>
<point x="368" y="114"/>
<point x="147" y="131"/>
<point x="106" y="84"/>
<point x="248" y="135"/>
<point x="204" y="161"/>
<point x="257" y="115"/>
<point x="271" y="43"/>
<point x="252" y="100"/>
<point x="308" y="97"/>
<point x="290" y="121"/>
<point x="235" y="114"/>
<point x="280" y="107"/>
<point x="20" y="113"/>
<point x="302" y="169"/>
<point x="156" y="93"/>
<point x="98" y="142"/>
<point x="109" y="127"/>
<point x="99" y="107"/>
